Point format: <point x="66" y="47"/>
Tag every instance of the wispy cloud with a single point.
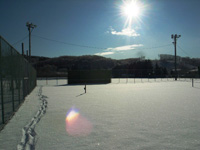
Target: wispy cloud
<point x="104" y="53"/>
<point x="124" y="48"/>
<point x="125" y="32"/>
<point x="113" y="50"/>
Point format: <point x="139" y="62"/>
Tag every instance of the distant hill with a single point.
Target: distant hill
<point x="58" y="66"/>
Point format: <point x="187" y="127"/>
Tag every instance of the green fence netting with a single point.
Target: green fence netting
<point x="17" y="80"/>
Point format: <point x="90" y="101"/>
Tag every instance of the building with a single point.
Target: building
<point x="168" y="57"/>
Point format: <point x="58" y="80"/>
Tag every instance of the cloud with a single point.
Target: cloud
<point x="125" y="32"/>
<point x="113" y="50"/>
<point x="104" y="53"/>
<point x="124" y="48"/>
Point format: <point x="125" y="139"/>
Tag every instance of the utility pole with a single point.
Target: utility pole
<point x="30" y="26"/>
<point x="174" y="37"/>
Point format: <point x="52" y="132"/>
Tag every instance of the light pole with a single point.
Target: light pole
<point x="30" y="26"/>
<point x="174" y="37"/>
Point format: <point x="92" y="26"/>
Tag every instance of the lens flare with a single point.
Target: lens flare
<point x="76" y="124"/>
<point x="72" y="115"/>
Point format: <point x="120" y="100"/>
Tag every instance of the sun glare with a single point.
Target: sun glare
<point x="131" y="9"/>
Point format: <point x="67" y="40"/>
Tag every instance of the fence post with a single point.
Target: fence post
<point x="35" y="78"/>
<point x="19" y="84"/>
<point x="1" y="80"/>
<point x="12" y="85"/>
<point x="2" y="101"/>
<point x="23" y="76"/>
<point x="29" y="76"/>
<point x="12" y="88"/>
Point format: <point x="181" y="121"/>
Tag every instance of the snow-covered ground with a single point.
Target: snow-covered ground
<point x="11" y="135"/>
<point x="149" y="115"/>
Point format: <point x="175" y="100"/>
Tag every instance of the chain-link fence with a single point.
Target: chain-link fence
<point x="121" y="76"/>
<point x="17" y="80"/>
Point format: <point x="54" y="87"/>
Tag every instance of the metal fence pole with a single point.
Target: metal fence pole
<point x="19" y="84"/>
<point x="23" y="75"/>
<point x="1" y="80"/>
<point x="29" y="80"/>
<point x="12" y="88"/>
<point x="12" y="85"/>
<point x="2" y="102"/>
<point x="19" y="95"/>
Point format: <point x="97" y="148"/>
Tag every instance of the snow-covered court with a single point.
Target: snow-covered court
<point x="118" y="116"/>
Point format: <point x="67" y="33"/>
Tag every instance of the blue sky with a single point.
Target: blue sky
<point x="98" y="27"/>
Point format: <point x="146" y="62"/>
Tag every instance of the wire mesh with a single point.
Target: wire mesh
<point x="17" y="77"/>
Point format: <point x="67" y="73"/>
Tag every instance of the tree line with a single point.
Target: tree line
<point x="139" y="69"/>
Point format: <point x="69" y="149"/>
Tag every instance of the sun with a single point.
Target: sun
<point x="131" y="9"/>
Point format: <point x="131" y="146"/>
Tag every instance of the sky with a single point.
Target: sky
<point x="103" y="27"/>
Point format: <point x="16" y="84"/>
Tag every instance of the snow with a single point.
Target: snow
<point x="11" y="135"/>
<point x="121" y="115"/>
<point x="28" y="132"/>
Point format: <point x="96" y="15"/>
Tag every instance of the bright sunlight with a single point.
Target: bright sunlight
<point x="133" y="10"/>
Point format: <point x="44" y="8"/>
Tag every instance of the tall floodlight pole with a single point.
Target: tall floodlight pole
<point x="174" y="37"/>
<point x="30" y="26"/>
